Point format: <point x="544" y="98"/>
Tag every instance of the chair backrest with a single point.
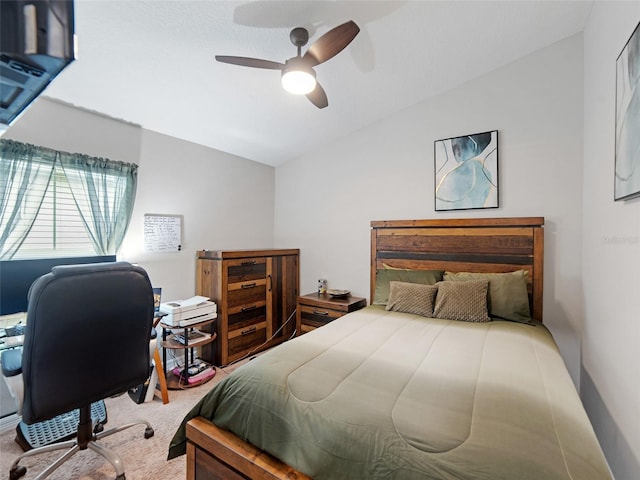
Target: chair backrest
<point x="87" y="336"/>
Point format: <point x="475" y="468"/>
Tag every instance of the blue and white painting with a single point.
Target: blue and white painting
<point x="466" y="172"/>
<point x="627" y="170"/>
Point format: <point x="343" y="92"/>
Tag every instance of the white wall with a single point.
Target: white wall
<point x="326" y="200"/>
<point x="226" y="201"/>
<point x="61" y="127"/>
<point x="611" y="252"/>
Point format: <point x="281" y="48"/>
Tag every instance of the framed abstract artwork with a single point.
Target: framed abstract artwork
<point x="466" y="172"/>
<point x="627" y="157"/>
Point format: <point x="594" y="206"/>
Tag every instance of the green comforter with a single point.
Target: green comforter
<point x="388" y="395"/>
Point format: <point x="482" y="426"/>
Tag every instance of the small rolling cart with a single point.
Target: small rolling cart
<point x="188" y="338"/>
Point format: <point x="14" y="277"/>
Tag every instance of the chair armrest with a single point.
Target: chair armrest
<point x="12" y="373"/>
<point x="11" y="362"/>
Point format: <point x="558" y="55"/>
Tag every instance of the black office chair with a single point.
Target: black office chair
<point x="86" y="339"/>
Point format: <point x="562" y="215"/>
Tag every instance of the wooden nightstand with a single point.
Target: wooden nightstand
<point x="315" y="310"/>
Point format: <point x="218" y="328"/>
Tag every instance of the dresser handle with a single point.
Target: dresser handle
<point x="318" y="312"/>
<point x="251" y="307"/>
<point x="248" y="330"/>
<point x="248" y="262"/>
<point x="248" y="285"/>
<point x="270" y="281"/>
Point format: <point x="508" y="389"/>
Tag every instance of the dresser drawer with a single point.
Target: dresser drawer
<point x="246" y="269"/>
<point x="315" y="317"/>
<point x="246" y="294"/>
<point x="246" y="306"/>
<point x="316" y="310"/>
<point x="239" y="346"/>
<point x="247" y="330"/>
<point x="245" y="317"/>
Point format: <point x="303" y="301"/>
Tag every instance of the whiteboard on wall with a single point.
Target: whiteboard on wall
<point x="162" y="233"/>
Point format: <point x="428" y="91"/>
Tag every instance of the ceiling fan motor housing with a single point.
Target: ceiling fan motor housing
<point x="299" y="36"/>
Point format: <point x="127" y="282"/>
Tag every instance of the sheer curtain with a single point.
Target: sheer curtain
<point x="25" y="173"/>
<point x="104" y="192"/>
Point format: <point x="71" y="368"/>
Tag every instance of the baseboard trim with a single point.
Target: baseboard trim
<point x="9" y="422"/>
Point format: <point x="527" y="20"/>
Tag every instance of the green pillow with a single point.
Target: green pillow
<point x="508" y="297"/>
<point x="383" y="277"/>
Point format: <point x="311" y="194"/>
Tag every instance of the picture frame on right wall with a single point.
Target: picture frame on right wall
<point x="627" y="144"/>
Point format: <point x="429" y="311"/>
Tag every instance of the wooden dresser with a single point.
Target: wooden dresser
<point x="256" y="292"/>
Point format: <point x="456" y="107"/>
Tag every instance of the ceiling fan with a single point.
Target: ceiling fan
<point x="298" y="76"/>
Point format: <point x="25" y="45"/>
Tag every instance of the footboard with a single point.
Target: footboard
<point x="213" y="453"/>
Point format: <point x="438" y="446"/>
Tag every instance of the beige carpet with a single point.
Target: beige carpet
<point x="143" y="459"/>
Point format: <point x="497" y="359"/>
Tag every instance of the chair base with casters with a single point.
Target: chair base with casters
<point x="58" y="429"/>
<point x="86" y="438"/>
<point x="89" y="427"/>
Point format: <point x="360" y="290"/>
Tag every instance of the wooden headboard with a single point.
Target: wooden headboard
<point x="495" y="245"/>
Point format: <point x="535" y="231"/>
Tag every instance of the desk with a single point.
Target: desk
<point x="11" y="342"/>
<point x="7" y="322"/>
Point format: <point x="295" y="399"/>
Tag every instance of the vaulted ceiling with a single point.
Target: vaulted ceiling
<point x="152" y="63"/>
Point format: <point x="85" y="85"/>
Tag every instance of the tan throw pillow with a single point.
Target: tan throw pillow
<point x="466" y="301"/>
<point x="411" y="298"/>
<point x="508" y="297"/>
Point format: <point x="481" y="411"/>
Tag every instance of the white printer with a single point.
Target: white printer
<point x="182" y="313"/>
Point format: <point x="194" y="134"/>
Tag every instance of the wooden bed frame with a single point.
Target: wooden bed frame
<point x="470" y="245"/>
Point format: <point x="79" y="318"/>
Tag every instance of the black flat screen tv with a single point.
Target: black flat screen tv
<point x="16" y="277"/>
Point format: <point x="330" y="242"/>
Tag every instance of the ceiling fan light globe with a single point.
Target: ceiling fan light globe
<point x="298" y="78"/>
<point x="298" y="82"/>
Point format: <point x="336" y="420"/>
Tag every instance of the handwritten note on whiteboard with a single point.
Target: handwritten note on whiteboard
<point x="162" y="233"/>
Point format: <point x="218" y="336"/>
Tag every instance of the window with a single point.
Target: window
<point x="58" y="229"/>
<point x="56" y="204"/>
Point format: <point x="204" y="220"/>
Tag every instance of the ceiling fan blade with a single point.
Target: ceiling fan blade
<point x="250" y="62"/>
<point x="318" y="97"/>
<point x="331" y="43"/>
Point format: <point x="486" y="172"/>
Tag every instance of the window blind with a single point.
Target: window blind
<point x="58" y="230"/>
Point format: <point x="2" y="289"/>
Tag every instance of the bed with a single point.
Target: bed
<point x="398" y="390"/>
